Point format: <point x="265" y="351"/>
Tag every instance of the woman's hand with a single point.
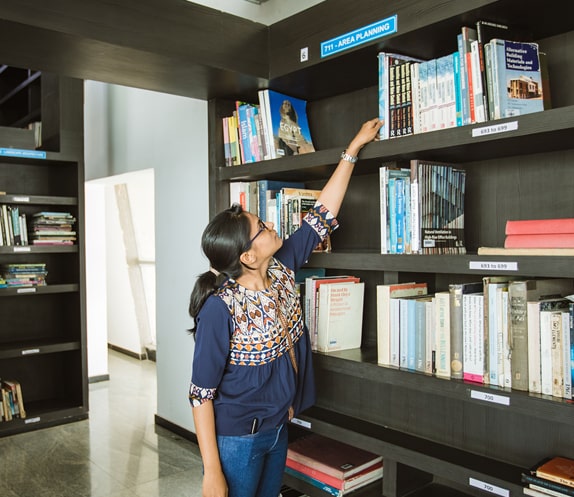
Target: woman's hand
<point x="214" y="484"/>
<point x="369" y="131"/>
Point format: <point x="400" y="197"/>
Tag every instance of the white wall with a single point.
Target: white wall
<point x="267" y="13"/>
<point x="169" y="135"/>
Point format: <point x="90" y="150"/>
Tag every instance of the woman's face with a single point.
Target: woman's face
<point x="264" y="239"/>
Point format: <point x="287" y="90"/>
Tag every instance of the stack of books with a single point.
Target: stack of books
<point x="23" y="275"/>
<point x="334" y="467"/>
<point x="551" y="476"/>
<point x="275" y="127"/>
<point x="52" y="228"/>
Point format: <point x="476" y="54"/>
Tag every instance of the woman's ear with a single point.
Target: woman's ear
<point x="247" y="258"/>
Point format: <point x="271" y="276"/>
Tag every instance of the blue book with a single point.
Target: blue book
<point x="517" y="76"/>
<point x="457" y="87"/>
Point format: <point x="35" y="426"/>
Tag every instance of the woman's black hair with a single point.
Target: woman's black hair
<point x="223" y="241"/>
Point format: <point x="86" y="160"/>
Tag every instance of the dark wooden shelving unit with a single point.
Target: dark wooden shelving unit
<point x="43" y="333"/>
<point x="437" y="436"/>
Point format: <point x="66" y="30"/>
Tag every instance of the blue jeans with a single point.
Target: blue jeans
<point x="253" y="465"/>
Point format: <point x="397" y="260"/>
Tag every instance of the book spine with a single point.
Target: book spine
<point x="518" y="335"/>
<point x="539" y="226"/>
<point x="442" y="319"/>
<point x="315" y="473"/>
<point x="456" y="315"/>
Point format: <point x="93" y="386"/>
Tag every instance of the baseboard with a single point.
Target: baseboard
<point x="130" y="353"/>
<point x="101" y="377"/>
<point x="182" y="432"/>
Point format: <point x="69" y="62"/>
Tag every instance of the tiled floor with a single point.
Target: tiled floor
<point x="118" y="452"/>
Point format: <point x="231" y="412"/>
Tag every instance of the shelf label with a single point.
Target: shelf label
<point x="300" y="422"/>
<point x="30" y="351"/>
<point x="32" y="420"/>
<point x="493" y="265"/>
<point x="359" y="36"/>
<point x="495" y="128"/>
<point x="21" y="199"/>
<point x="26" y="290"/>
<point x="18" y="152"/>
<point x="490" y="397"/>
<point x="487" y="487"/>
<point x="22" y="249"/>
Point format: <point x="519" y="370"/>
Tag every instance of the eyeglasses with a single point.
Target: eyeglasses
<point x="262" y="227"/>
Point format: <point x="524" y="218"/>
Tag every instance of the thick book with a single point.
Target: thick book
<point x="520" y="292"/>
<point x="368" y="475"/>
<point x="556" y="469"/>
<point x="457" y="290"/>
<point x="526" y="251"/>
<point x="517" y="78"/>
<point x="340" y="316"/>
<point x="286" y="124"/>
<point x="330" y="456"/>
<point x="547" y="240"/>
<point x="539" y="226"/>
<point x="384" y="295"/>
<point x="473" y="337"/>
<point x="442" y="334"/>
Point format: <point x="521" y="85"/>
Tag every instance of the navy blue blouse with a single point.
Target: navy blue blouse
<point x="241" y="359"/>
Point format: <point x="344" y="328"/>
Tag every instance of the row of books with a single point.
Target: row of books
<point x="275" y="127"/>
<point x="333" y="310"/>
<point x="281" y="202"/>
<point x="11" y="401"/>
<point x="552" y="476"/>
<point x="492" y="74"/>
<point x="499" y="331"/>
<point x="422" y="208"/>
<point x="23" y="275"/>
<point x="540" y="233"/>
<point x="47" y="228"/>
<point x="333" y="466"/>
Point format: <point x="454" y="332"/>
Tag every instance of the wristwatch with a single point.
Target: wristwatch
<point x="348" y="157"/>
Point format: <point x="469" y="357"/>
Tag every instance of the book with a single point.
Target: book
<point x="388" y="174"/>
<point x="368" y="475"/>
<point x="330" y="456"/>
<point x="384" y="294"/>
<point x="442" y="338"/>
<point x="473" y="337"/>
<point x="340" y="316"/>
<point x="558" y="469"/>
<point x="517" y="78"/>
<point x="525" y="251"/>
<point x="521" y="292"/>
<point x="457" y="290"/>
<point x="286" y="124"/>
<point x="312" y="285"/>
<point x="546" y="240"/>
<point x="539" y="226"/>
<point x="543" y="485"/>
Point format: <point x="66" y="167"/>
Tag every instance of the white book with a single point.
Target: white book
<point x="567" y="371"/>
<point x="442" y="338"/>
<point x="340" y="316"/>
<point x="534" y="378"/>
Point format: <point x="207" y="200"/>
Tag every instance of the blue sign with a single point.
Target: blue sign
<point x="17" y="152"/>
<point x="359" y="36"/>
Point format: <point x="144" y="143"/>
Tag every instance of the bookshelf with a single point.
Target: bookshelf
<point x="43" y="337"/>
<point x="437" y="437"/>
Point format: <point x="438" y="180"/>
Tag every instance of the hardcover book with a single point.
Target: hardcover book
<point x="547" y="240"/>
<point x="331" y="456"/>
<point x="286" y="124"/>
<point x="539" y="226"/>
<point x="517" y="80"/>
<point x="558" y="469"/>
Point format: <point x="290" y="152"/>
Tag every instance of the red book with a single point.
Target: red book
<point x="368" y="475"/>
<point x="539" y="226"/>
<point x="330" y="456"/>
<point x="549" y="240"/>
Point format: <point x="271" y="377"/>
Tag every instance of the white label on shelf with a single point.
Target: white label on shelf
<point x="493" y="265"/>
<point x="487" y="487"/>
<point x="490" y="397"/>
<point x="21" y="249"/>
<point x="21" y="199"/>
<point x="300" y="422"/>
<point x="26" y="290"/>
<point x="32" y="420"/>
<point x="495" y="128"/>
<point x="359" y="36"/>
<point x="30" y="351"/>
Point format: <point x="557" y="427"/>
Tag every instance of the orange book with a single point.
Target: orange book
<point x="558" y="469"/>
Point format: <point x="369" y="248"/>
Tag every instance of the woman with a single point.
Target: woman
<point x="252" y="369"/>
